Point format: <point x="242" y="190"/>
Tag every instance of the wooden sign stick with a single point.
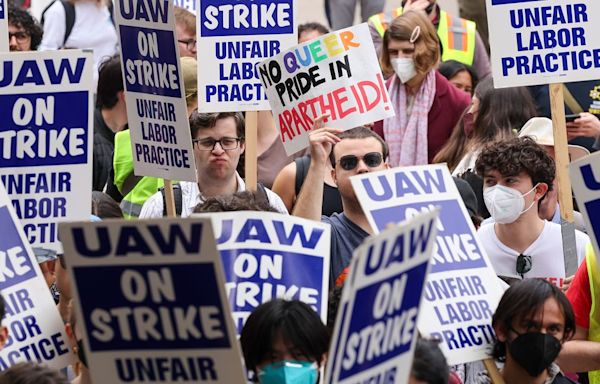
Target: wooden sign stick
<point x="170" y="199"/>
<point x="493" y="371"/>
<point x="251" y="151"/>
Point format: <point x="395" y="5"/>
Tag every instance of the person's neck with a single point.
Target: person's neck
<point x="355" y="214"/>
<point x="209" y="187"/>
<point x="513" y="373"/>
<point x="522" y="233"/>
<point x="111" y="119"/>
<point x="414" y="84"/>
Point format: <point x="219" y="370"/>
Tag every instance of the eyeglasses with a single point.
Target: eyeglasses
<point x="371" y="159"/>
<point x="523" y="264"/>
<point x="189" y="44"/>
<point x="20" y="36"/>
<point x="227" y="143"/>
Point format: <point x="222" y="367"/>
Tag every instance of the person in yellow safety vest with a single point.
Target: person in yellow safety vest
<point x="584" y="294"/>
<point x="136" y="190"/>
<point x="459" y="38"/>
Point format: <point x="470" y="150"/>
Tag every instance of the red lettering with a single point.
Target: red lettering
<point x="369" y="105"/>
<point x="285" y="119"/>
<point x="307" y="120"/>
<point x="339" y="102"/>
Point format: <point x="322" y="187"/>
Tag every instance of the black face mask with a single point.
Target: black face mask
<point x="534" y="351"/>
<point x="81" y="353"/>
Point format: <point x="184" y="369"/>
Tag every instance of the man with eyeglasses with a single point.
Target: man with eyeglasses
<point x="185" y="31"/>
<point x="517" y="174"/>
<point x="353" y="152"/>
<point x="24" y="32"/>
<point x="218" y="144"/>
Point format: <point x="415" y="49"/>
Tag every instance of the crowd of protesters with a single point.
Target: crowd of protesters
<point x="497" y="143"/>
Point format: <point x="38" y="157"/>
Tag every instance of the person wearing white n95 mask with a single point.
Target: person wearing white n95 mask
<point x="517" y="174"/>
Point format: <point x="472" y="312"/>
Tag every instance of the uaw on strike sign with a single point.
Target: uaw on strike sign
<point x="544" y="41"/>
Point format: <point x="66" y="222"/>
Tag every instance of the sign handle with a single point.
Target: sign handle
<point x="251" y="149"/>
<point x="493" y="371"/>
<point x="170" y="199"/>
<point x="565" y="196"/>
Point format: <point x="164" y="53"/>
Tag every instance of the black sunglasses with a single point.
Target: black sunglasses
<point x="523" y="264"/>
<point x="371" y="159"/>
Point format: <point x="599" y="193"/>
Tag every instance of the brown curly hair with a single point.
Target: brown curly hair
<point x="427" y="46"/>
<point x="513" y="156"/>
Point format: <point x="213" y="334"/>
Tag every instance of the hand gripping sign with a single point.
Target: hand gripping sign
<point x="36" y="332"/>
<point x="462" y="292"/>
<point x="376" y="327"/>
<point x="156" y="106"/>
<point x="46" y="139"/>
<point x="234" y="36"/>
<point x="269" y="255"/>
<point x="336" y="74"/>
<point x="161" y="314"/>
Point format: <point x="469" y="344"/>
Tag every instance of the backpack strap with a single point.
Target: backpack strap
<point x="69" y="17"/>
<point x="177" y="196"/>
<point x="302" y="164"/>
<point x="262" y="191"/>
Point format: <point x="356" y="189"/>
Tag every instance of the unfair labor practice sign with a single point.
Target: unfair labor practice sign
<point x="537" y="42"/>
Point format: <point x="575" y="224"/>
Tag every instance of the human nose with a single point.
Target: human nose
<point x="361" y="167"/>
<point x="217" y="147"/>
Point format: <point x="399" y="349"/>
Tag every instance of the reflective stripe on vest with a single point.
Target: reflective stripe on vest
<point x="382" y="21"/>
<point x="458" y="38"/>
<point x="457" y="35"/>
<point x="594" y="330"/>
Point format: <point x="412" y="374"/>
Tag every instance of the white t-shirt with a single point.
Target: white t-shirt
<point x="547" y="260"/>
<point x="191" y="196"/>
<point x="93" y="29"/>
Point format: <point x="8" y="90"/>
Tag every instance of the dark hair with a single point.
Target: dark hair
<point x="429" y="364"/>
<point x="500" y="112"/>
<point x="30" y="373"/>
<point x="335" y="296"/>
<point x="2" y="309"/>
<point x="451" y="68"/>
<point x="20" y="18"/>
<point x="306" y="27"/>
<point x="200" y="121"/>
<point x="427" y="46"/>
<point x="110" y="82"/>
<point x="513" y="156"/>
<point x="104" y="206"/>
<point x="297" y="323"/>
<point x="360" y="133"/>
<point x="239" y="201"/>
<point x="525" y="299"/>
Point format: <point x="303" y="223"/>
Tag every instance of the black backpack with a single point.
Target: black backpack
<point x="178" y="197"/>
<point x="70" y="16"/>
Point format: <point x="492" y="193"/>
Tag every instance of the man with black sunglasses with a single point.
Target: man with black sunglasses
<point x="517" y="174"/>
<point x="358" y="150"/>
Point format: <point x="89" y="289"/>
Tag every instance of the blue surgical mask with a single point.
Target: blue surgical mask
<point x="289" y="372"/>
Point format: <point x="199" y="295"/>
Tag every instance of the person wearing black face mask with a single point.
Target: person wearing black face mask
<point x="532" y="321"/>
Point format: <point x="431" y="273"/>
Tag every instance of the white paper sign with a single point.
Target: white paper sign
<point x="36" y="331"/>
<point x="46" y="139"/>
<point x="336" y="74"/>
<point x="585" y="178"/>
<point x="151" y="300"/>
<point x="537" y="42"/>
<point x="156" y="108"/>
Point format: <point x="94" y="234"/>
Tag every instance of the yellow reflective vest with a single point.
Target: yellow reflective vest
<point x="594" y="329"/>
<point x="456" y="35"/>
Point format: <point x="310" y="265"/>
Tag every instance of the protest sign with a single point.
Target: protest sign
<point x="541" y="42"/>
<point x="190" y="5"/>
<point x="585" y="177"/>
<point x="375" y="331"/>
<point x="161" y="315"/>
<point x="234" y="36"/>
<point x="462" y="292"/>
<point x="336" y="74"/>
<point x="46" y="139"/>
<point x="156" y="107"/>
<point x="36" y="332"/>
<point x="3" y="26"/>
<point x="269" y="255"/>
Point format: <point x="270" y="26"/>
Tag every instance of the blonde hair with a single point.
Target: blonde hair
<point x="185" y="18"/>
<point x="427" y="44"/>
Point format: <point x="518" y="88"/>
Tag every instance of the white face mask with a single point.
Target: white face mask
<point x="505" y="204"/>
<point x="404" y="68"/>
